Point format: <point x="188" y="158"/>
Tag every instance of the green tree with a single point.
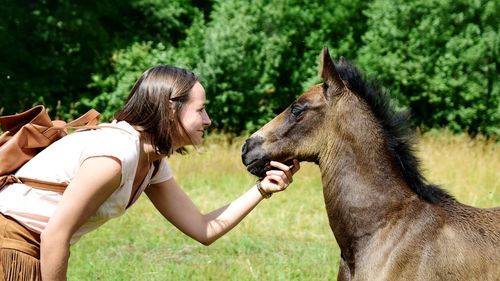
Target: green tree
<point x="50" y="49"/>
<point x="440" y="58"/>
<point x="131" y="61"/>
<point x="259" y="55"/>
<point x="254" y="57"/>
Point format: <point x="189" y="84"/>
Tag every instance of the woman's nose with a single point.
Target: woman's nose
<point x="206" y="119"/>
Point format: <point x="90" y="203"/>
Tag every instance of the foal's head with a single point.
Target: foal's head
<point x="343" y="120"/>
<point x="324" y="117"/>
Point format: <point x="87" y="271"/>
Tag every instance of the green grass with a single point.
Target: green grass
<point x="285" y="238"/>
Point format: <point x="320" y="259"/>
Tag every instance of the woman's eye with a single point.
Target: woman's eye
<point x="296" y="111"/>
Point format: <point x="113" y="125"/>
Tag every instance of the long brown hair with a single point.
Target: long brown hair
<point x="149" y="107"/>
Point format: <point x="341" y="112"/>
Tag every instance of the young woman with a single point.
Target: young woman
<point x="107" y="169"/>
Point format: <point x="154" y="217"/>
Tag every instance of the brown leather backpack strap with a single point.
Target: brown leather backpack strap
<point x="39" y="184"/>
<point x="90" y="118"/>
<point x="8" y="179"/>
<point x="44" y="185"/>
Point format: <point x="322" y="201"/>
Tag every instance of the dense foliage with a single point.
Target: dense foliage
<point x="51" y="50"/>
<point x="439" y="58"/>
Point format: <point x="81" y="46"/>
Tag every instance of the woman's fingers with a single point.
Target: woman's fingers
<point x="286" y="179"/>
<point x="283" y="168"/>
<point x="293" y="168"/>
<point x="279" y="165"/>
<point x="273" y="183"/>
<point x="278" y="179"/>
<point x="289" y="170"/>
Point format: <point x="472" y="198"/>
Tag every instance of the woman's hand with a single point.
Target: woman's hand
<point x="279" y="179"/>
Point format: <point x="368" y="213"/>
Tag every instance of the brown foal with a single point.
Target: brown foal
<point x="389" y="223"/>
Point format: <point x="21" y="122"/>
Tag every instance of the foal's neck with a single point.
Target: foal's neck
<point x="362" y="188"/>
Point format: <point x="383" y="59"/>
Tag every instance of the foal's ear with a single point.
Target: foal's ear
<point x="327" y="70"/>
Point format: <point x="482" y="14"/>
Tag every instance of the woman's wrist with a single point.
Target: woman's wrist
<point x="262" y="192"/>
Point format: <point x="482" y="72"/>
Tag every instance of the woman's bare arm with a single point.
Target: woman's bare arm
<point x="178" y="208"/>
<point x="96" y="179"/>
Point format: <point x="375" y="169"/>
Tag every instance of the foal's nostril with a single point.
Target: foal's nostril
<point x="244" y="149"/>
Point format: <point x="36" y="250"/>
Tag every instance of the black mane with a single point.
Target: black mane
<point x="398" y="133"/>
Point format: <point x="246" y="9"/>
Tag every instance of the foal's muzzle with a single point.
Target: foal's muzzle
<point x="254" y="157"/>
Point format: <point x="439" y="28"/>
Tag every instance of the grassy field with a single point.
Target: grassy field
<point x="285" y="238"/>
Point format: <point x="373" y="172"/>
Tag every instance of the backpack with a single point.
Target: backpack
<point x="26" y="134"/>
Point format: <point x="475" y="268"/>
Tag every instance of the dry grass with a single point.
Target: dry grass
<point x="468" y="168"/>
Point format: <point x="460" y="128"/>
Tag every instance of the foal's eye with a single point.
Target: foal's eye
<point x="324" y="86"/>
<point x="296" y="110"/>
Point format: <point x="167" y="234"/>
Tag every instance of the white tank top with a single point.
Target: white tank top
<point x="58" y="163"/>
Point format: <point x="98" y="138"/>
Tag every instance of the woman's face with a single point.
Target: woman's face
<point x="193" y="116"/>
